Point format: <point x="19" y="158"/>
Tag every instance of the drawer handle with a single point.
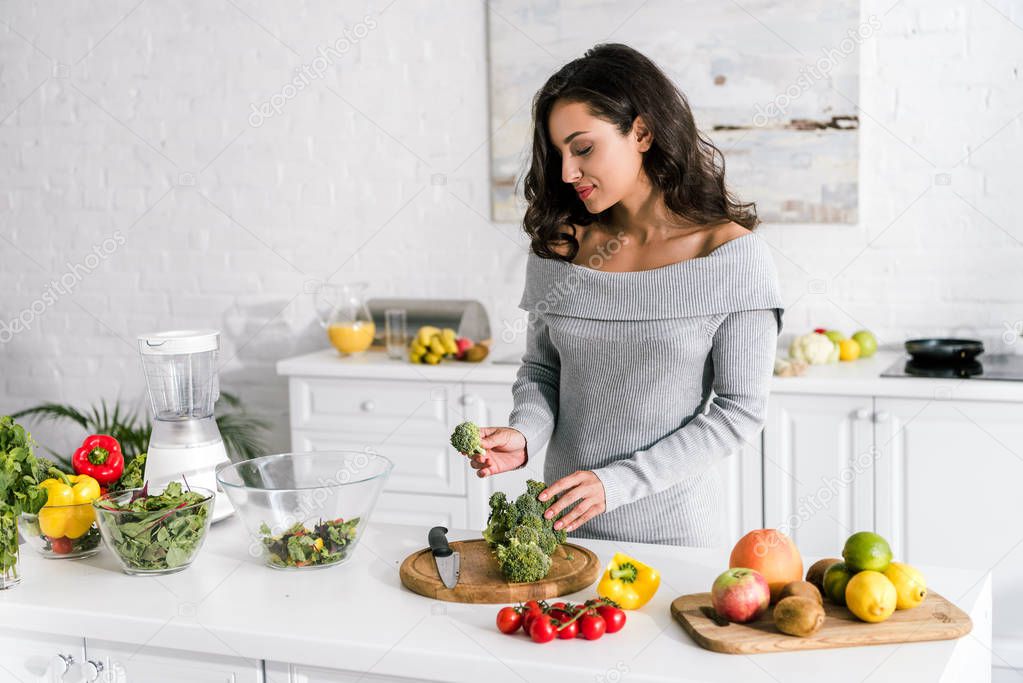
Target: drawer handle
<point x="863" y="414"/>
<point x="368" y="406"/>
<point x="883" y="416"/>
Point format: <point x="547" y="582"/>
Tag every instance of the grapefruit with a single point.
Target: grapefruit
<point x="771" y="553"/>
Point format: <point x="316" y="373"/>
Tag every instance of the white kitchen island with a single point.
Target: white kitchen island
<point x="229" y="618"/>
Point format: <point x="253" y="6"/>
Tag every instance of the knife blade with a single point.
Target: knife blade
<point x="448" y="561"/>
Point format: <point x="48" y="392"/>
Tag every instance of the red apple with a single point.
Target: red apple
<point x="740" y="595"/>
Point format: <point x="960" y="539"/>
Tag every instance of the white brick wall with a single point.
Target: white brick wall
<point x="138" y="121"/>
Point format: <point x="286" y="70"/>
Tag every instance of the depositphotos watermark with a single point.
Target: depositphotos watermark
<point x="65" y="284"/>
<point x="818" y="71"/>
<point x="307" y="73"/>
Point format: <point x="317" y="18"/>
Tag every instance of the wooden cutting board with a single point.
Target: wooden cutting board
<point x="934" y="619"/>
<point x="573" y="568"/>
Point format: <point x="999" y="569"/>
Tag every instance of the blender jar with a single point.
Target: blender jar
<point x="181" y="373"/>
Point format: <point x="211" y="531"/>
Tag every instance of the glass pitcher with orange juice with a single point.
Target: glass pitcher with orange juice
<point x="343" y="313"/>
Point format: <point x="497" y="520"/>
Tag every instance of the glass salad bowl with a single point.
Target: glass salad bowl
<point x="305" y="510"/>
<point x="62" y="531"/>
<point x="154" y="534"/>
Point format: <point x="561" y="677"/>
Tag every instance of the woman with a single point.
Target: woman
<point x="647" y="292"/>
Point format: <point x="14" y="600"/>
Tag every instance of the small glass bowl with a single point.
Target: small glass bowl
<point x="80" y="533"/>
<point x="135" y="537"/>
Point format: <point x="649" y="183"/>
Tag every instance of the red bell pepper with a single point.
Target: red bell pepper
<point x="99" y="457"/>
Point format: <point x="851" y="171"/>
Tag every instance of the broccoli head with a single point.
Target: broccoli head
<point x="523" y="562"/>
<point x="466" y="439"/>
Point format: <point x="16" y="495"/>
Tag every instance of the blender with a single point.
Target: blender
<point x="185" y="444"/>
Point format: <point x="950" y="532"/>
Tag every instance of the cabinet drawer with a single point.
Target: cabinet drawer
<point x="124" y="662"/>
<point x="425" y="511"/>
<point x="420" y="465"/>
<point x="373" y="406"/>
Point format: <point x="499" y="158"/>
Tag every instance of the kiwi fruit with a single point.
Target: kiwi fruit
<point x="815" y="574"/>
<point x="798" y="616"/>
<point x="802" y="588"/>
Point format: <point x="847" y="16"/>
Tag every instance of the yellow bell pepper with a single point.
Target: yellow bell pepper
<point x="68" y="511"/>
<point x="629" y="583"/>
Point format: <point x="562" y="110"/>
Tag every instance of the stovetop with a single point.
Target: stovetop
<point x="997" y="366"/>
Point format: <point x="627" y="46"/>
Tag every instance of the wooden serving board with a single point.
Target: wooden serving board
<point x="573" y="568"/>
<point x="934" y="619"/>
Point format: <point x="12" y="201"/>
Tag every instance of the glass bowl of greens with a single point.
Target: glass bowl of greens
<point x="157" y="533"/>
<point x="67" y="532"/>
<point x="305" y="510"/>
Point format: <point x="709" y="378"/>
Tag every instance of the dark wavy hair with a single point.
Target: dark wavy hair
<point x="617" y="84"/>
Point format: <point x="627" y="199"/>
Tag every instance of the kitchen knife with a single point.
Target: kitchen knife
<point x="448" y="561"/>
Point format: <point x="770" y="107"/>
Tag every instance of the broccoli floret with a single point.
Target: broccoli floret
<point x="503" y="517"/>
<point x="523" y="562"/>
<point x="466" y="439"/>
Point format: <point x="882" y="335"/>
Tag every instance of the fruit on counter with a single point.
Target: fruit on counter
<point x="871" y="596"/>
<point x="771" y="553"/>
<point x="866" y="550"/>
<point x="815" y="574"/>
<point x="351" y="337"/>
<point x="813" y="348"/>
<point x="798" y="616"/>
<point x="466" y="439"/>
<point x="848" y="349"/>
<point x="628" y="582"/>
<point x="462" y="345"/>
<point x="836" y="578"/>
<point x="99" y="457"/>
<point x="740" y="594"/>
<point x="544" y="622"/>
<point x="803" y="589"/>
<point x="867" y="342"/>
<point x="910" y="586"/>
<point x="68" y="510"/>
<point x="433" y="344"/>
<point x="519" y="534"/>
<point x="834" y="335"/>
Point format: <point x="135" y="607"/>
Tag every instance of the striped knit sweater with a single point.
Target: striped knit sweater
<point x="648" y="379"/>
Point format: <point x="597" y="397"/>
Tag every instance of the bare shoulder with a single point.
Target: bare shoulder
<point x="726" y="232"/>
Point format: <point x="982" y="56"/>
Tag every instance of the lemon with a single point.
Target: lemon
<point x="871" y="596"/>
<point x="848" y="349"/>
<point x="909" y="584"/>
<point x="866" y="550"/>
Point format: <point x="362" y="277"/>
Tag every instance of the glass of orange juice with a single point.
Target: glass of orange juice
<point x="343" y="313"/>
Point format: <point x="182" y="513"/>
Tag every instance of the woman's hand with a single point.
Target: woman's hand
<point x="506" y="451"/>
<point x="582" y="486"/>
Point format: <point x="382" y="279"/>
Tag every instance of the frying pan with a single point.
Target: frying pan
<point x="944" y="351"/>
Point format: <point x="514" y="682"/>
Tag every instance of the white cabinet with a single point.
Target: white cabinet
<point x="948" y="491"/>
<point x="124" y="663"/>
<point x="37" y="657"/>
<point x="742" y="476"/>
<point x="819" y="469"/>
<point x="293" y="673"/>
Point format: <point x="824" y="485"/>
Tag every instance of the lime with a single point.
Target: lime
<point x="871" y="596"/>
<point x="835" y="579"/>
<point x="834" y="335"/>
<point x="866" y="550"/>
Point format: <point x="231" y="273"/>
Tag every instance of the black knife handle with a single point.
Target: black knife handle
<point x="439" y="542"/>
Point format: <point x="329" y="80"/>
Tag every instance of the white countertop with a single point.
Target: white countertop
<point x="359" y="617"/>
<point x="856" y="378"/>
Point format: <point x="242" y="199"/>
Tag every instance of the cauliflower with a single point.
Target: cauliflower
<point x="814" y="348"/>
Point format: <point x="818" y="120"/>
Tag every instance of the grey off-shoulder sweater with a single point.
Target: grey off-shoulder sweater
<point x="648" y="379"/>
